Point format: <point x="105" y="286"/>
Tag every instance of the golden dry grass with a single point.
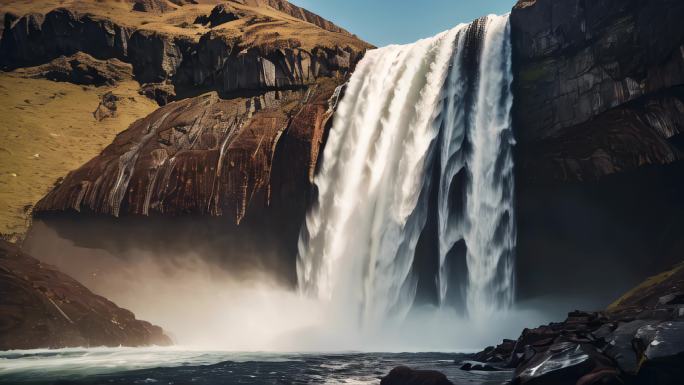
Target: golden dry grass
<point x="46" y="130"/>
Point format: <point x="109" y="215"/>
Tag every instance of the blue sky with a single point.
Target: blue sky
<point x="383" y="22"/>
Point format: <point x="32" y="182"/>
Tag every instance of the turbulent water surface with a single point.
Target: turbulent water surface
<point x="177" y="366"/>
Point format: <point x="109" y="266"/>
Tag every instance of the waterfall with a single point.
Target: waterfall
<point x="420" y="122"/>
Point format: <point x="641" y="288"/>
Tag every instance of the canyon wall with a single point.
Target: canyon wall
<point x="598" y="116"/>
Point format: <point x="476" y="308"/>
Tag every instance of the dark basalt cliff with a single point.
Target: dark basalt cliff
<point x="598" y="117"/>
<point x="42" y="307"/>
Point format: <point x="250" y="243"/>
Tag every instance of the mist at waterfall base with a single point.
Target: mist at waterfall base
<point x="418" y="163"/>
<point x="207" y="308"/>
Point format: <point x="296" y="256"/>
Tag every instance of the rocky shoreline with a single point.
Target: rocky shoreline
<point x="639" y="339"/>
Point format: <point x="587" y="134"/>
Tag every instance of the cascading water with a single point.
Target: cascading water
<point x="438" y="107"/>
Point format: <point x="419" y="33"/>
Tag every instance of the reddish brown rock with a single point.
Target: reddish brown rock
<point x="202" y="156"/>
<point x="41" y="307"/>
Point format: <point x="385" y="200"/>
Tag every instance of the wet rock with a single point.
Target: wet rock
<point x="403" y="375"/>
<point x="83" y="69"/>
<point x="616" y="346"/>
<point x="35" y="39"/>
<point x="479" y="366"/>
<point x="214" y="62"/>
<point x="620" y="346"/>
<point x="41" y="307"/>
<point x="107" y="107"/>
<point x="565" y="363"/>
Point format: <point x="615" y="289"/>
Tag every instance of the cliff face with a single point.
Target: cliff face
<point x="202" y="156"/>
<point x="598" y="116"/>
<point x="41" y="308"/>
<point x="637" y="340"/>
<point x="587" y="69"/>
<point x="267" y="70"/>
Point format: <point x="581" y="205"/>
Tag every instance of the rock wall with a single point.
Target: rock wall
<point x="201" y="156"/>
<point x="576" y="59"/>
<point x="598" y="117"/>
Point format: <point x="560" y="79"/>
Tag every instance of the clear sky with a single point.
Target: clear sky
<point x="383" y="22"/>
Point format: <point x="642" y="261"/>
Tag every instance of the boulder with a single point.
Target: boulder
<point x="220" y="14"/>
<point x="479" y="366"/>
<point x="403" y="375"/>
<point x="566" y="363"/>
<point x="107" y="107"/>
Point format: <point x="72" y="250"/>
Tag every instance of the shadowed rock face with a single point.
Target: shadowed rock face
<point x="202" y="156"/>
<point x="43" y="308"/>
<point x="216" y="61"/>
<point x="598" y="117"/>
<point x="576" y="59"/>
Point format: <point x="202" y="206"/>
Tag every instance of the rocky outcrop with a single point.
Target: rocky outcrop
<point x="107" y="107"/>
<point x="219" y="60"/>
<point x="639" y="339"/>
<point x="41" y="307"/>
<point x="402" y="375"/>
<point x="81" y="68"/>
<point x="220" y="14"/>
<point x="155" y="6"/>
<point x="200" y="156"/>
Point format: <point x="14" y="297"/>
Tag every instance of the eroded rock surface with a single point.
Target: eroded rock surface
<point x="41" y="307"/>
<point x="81" y="68"/>
<point x="639" y="339"/>
<point x="202" y="156"/>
